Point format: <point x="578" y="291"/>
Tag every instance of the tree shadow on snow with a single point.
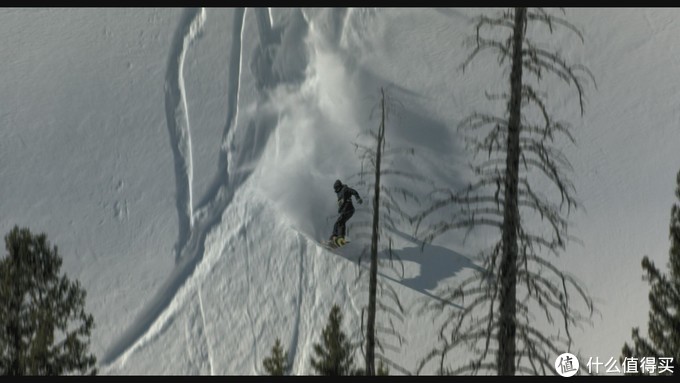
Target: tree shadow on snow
<point x="436" y="264"/>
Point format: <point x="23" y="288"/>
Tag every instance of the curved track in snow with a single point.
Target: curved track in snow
<point x="196" y="224"/>
<point x="233" y="90"/>
<point x="298" y="313"/>
<point x="205" y="336"/>
<point x="177" y="116"/>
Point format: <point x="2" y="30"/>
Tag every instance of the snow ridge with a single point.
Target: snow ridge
<point x="177" y="115"/>
<point x="241" y="151"/>
<point x="233" y="89"/>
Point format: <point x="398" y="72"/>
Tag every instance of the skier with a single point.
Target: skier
<point x="345" y="209"/>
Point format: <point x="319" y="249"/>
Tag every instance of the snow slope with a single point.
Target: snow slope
<point x="182" y="162"/>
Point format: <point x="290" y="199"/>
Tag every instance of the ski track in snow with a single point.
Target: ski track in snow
<point x="177" y="116"/>
<point x="205" y="333"/>
<point x="187" y="339"/>
<point x="244" y="233"/>
<point x="187" y="336"/>
<point x="264" y="26"/>
<point x="196" y="224"/>
<point x="189" y="28"/>
<point x="233" y="91"/>
<point x="302" y="245"/>
<point x="345" y="24"/>
<point x="356" y="309"/>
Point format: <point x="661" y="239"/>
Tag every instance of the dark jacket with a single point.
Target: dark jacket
<point x="345" y="198"/>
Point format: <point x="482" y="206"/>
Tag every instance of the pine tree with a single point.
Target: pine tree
<point x="383" y="370"/>
<point x="277" y="364"/>
<point x="44" y="329"/>
<point x="664" y="306"/>
<point x="335" y="354"/>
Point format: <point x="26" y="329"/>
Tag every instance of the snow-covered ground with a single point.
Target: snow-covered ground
<point x="182" y="161"/>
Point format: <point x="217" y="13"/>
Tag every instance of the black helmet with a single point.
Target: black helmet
<point x="337" y="186"/>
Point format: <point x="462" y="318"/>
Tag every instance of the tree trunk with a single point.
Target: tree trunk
<point x="508" y="266"/>
<point x="372" y="287"/>
<point x="14" y="330"/>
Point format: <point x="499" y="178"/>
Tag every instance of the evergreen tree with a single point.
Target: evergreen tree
<point x="334" y="355"/>
<point x="383" y="370"/>
<point x="664" y="308"/>
<point x="277" y="364"/>
<point x="44" y="329"/>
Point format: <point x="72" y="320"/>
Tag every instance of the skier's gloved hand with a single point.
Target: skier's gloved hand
<point x="360" y="200"/>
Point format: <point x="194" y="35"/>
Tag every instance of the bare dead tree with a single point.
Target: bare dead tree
<point x="500" y="303"/>
<point x="388" y="214"/>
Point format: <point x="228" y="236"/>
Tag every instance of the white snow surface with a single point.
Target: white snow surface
<point x="182" y="162"/>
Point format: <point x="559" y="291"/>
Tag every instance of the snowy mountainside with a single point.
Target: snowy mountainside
<point x="182" y="160"/>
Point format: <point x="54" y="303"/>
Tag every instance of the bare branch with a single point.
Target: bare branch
<point x="554" y="63"/>
<point x="477" y="120"/>
<point x="548" y="19"/>
<point x="483" y="44"/>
